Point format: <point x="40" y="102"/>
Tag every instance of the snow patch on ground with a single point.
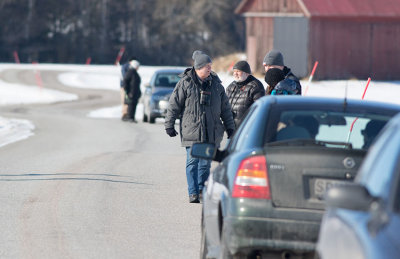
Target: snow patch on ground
<point x="12" y="130"/>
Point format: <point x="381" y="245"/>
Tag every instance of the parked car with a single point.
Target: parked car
<point x="156" y="95"/>
<point x="266" y="196"/>
<point x="362" y="220"/>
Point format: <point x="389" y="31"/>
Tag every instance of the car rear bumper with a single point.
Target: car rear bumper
<point x="267" y="234"/>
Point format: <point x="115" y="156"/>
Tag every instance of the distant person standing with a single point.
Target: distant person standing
<point x="243" y="91"/>
<point x="124" y="69"/>
<point x="131" y="84"/>
<point x="274" y="59"/>
<point x="200" y="103"/>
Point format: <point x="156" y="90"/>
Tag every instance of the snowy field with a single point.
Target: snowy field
<point x="108" y="76"/>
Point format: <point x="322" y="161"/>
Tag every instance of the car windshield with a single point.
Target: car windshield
<point x="167" y="80"/>
<point x="329" y="129"/>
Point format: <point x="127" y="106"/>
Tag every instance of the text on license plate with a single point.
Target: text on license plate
<point x="322" y="185"/>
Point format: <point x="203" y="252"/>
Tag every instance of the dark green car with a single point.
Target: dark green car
<point x="266" y="196"/>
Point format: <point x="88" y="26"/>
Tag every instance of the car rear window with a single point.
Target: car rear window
<point x="167" y="80"/>
<point x="330" y="129"/>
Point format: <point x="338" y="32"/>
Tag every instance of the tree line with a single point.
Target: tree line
<point x="157" y="32"/>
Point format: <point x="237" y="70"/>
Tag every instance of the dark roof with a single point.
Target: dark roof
<point x="373" y="107"/>
<point x="340" y="8"/>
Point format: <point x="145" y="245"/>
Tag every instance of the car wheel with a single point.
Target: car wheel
<point x="203" y="244"/>
<point x="152" y="119"/>
<point x="145" y="118"/>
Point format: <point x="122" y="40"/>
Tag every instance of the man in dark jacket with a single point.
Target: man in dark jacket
<point x="243" y="91"/>
<point x="131" y="84"/>
<point x="124" y="69"/>
<point x="274" y="59"/>
<point x="280" y="85"/>
<point x="200" y="103"/>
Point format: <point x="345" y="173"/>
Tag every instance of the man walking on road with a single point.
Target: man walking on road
<point x="200" y="102"/>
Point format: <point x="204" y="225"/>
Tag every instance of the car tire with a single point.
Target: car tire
<point x="145" y="118"/>
<point x="152" y="119"/>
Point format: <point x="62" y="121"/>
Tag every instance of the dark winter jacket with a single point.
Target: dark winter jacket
<point x="199" y="123"/>
<point x="288" y="75"/>
<point x="242" y="95"/>
<point x="131" y="84"/>
<point x="285" y="87"/>
<point x="124" y="69"/>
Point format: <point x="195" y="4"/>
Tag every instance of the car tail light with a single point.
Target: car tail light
<point x="251" y="179"/>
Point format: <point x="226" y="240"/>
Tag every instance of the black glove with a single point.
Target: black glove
<point x="230" y="132"/>
<point x="171" y="132"/>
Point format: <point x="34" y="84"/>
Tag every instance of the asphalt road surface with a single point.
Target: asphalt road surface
<point x="92" y="188"/>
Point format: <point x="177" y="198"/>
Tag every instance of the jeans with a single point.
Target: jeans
<point x="197" y="172"/>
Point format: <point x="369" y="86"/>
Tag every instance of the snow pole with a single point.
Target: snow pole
<point x="362" y="98"/>
<point x="88" y="60"/>
<point x="38" y="77"/>
<point x="366" y="87"/>
<point x="311" y="77"/>
<point x="16" y="58"/>
<point x="119" y="56"/>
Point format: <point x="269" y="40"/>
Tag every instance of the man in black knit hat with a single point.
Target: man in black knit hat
<point x="202" y="107"/>
<point x="243" y="91"/>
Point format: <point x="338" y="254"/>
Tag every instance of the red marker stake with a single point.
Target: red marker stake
<point x="362" y="98"/>
<point x="38" y="77"/>
<point x="16" y="58"/>
<point x="311" y="77"/>
<point x="366" y="87"/>
<point x="120" y="53"/>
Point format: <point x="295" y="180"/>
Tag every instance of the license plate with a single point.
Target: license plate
<point x="322" y="185"/>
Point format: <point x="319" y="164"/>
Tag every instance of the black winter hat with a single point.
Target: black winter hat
<point x="274" y="76"/>
<point x="242" y="66"/>
<point x="200" y="59"/>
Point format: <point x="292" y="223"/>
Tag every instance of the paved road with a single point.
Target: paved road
<point x="92" y="188"/>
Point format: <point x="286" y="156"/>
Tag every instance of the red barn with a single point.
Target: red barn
<point x="349" y="38"/>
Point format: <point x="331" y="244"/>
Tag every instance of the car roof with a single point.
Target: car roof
<point x="326" y="101"/>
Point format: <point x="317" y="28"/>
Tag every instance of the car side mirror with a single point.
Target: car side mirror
<point x="349" y="196"/>
<point x="203" y="151"/>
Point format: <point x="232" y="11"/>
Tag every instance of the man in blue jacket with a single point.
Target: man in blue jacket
<point x="274" y="59"/>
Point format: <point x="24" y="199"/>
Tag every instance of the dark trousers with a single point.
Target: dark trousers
<point x="132" y="108"/>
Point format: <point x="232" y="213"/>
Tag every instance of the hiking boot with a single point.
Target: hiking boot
<point x="194" y="198"/>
